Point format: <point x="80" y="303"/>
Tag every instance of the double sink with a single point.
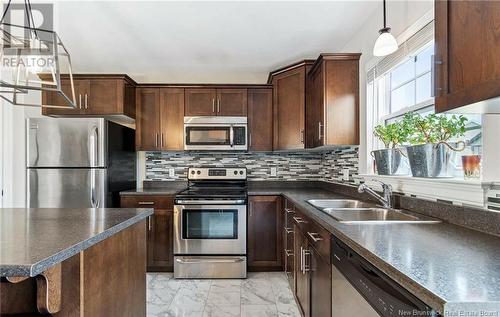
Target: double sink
<point x="355" y="211"/>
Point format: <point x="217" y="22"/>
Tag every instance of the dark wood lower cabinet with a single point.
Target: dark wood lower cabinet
<point x="302" y="280"/>
<point x="159" y="228"/>
<point x="321" y="285"/>
<point x="265" y="245"/>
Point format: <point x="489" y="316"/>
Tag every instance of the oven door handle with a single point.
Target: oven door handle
<point x="205" y="260"/>
<point x="210" y="202"/>
<point x="231" y="135"/>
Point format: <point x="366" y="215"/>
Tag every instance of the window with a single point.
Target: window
<point x="405" y="85"/>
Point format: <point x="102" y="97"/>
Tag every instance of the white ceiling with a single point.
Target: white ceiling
<point x="218" y="42"/>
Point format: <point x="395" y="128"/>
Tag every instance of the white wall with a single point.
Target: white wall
<point x="400" y="16"/>
<point x="13" y="150"/>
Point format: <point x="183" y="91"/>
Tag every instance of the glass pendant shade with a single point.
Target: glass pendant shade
<point x="386" y="44"/>
<point x="34" y="59"/>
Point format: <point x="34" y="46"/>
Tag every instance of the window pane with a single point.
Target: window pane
<point x="402" y="73"/>
<point x="403" y="97"/>
<point x="424" y="88"/>
<point x="423" y="60"/>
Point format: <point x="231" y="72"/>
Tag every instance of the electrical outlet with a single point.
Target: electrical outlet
<point x="345" y="174"/>
<point x="171" y="172"/>
<point x="273" y="171"/>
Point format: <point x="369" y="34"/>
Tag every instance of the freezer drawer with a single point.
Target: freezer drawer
<point x="66" y="188"/>
<point x="66" y="142"/>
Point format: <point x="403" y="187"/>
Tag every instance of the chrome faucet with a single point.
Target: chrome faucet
<point x="386" y="200"/>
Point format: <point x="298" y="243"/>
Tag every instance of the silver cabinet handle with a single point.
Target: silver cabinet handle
<point x="149" y="223"/>
<point x="161" y="140"/>
<point x="218" y="105"/>
<point x="289" y="211"/>
<point x="434" y="84"/>
<point x="288" y="230"/>
<point x="142" y="203"/>
<point x="80" y="100"/>
<point x="302" y="136"/>
<point x="314" y="236"/>
<point x="302" y="260"/>
<point x="156" y="140"/>
<point x="86" y="101"/>
<point x="319" y="131"/>
<point x="250" y="138"/>
<point x="288" y="252"/>
<point x="299" y="220"/>
<point x="306" y="266"/>
<point x="213" y="105"/>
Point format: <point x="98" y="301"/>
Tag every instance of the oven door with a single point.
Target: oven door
<point x="210" y="229"/>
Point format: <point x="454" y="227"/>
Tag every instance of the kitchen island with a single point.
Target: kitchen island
<point x="73" y="262"/>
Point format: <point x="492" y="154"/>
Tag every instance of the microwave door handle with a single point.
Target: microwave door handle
<point x="231" y="136"/>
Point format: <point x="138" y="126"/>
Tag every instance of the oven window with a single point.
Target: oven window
<point x="207" y="135"/>
<point x="210" y="224"/>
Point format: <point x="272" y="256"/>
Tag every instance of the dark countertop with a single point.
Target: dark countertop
<point x="166" y="188"/>
<point x="33" y="240"/>
<point x="453" y="269"/>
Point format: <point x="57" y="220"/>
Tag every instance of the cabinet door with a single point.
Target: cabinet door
<point x="232" y="102"/>
<point x="260" y="119"/>
<point x="321" y="285"/>
<point x="172" y="119"/>
<point x="302" y="282"/>
<point x="315" y="109"/>
<point x="148" y="119"/>
<point x="160" y="241"/>
<point x="265" y="244"/>
<point x="55" y="99"/>
<point x="200" y="102"/>
<point x="467" y="45"/>
<point x="289" y="105"/>
<point x="104" y="97"/>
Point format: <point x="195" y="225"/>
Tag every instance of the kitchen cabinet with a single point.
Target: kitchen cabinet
<point x="216" y="102"/>
<point x="160" y="119"/>
<point x="313" y="273"/>
<point x="264" y="233"/>
<point x="332" y="111"/>
<point x="467" y="63"/>
<point x="289" y="86"/>
<point x="260" y="119"/>
<point x="111" y="96"/>
<point x="160" y="255"/>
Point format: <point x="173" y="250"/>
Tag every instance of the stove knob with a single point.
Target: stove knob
<point x="192" y="172"/>
<point x="235" y="172"/>
<point x="198" y="172"/>
<point x="241" y="172"/>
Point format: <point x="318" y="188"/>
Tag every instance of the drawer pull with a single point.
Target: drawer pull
<point x="289" y="211"/>
<point x="299" y="220"/>
<point x="146" y="203"/>
<point x="288" y="252"/>
<point x="315" y="236"/>
<point x="288" y="230"/>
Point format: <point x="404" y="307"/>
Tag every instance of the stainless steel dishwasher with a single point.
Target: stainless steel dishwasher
<point x="360" y="289"/>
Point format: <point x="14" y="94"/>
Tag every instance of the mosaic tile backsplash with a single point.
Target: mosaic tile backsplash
<point x="328" y="166"/>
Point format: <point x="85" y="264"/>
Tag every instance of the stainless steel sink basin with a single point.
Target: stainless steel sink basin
<point x="340" y="204"/>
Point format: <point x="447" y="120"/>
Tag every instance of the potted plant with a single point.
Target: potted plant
<point x="431" y="153"/>
<point x="392" y="159"/>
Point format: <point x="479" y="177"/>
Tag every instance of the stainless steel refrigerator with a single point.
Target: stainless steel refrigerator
<point x="78" y="162"/>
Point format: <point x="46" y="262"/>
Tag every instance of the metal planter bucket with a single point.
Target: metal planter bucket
<point x="431" y="160"/>
<point x="391" y="162"/>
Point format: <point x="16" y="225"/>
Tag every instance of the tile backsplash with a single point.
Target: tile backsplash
<point x="293" y="166"/>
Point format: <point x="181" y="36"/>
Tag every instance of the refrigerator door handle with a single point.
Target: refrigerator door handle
<point x="94" y="146"/>
<point x="93" y="199"/>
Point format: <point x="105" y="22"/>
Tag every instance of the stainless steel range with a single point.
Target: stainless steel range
<point x="210" y="224"/>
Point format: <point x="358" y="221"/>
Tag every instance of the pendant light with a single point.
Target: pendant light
<point x="34" y="59"/>
<point x="386" y="43"/>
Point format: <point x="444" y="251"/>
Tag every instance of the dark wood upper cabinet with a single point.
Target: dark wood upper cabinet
<point x="232" y="102"/>
<point x="160" y="227"/>
<point x="260" y="119"/>
<point x="289" y="86"/>
<point x="332" y="108"/>
<point x="200" y="102"/>
<point x="264" y="233"/>
<point x="171" y="119"/>
<point x="160" y="119"/>
<point x="96" y="95"/>
<point x="147" y="122"/>
<point x="467" y="59"/>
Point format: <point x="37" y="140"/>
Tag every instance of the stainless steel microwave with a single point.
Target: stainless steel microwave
<point x="215" y="133"/>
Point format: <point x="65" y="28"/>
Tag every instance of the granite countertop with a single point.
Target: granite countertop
<point x="453" y="269"/>
<point x="33" y="240"/>
<point x="166" y="188"/>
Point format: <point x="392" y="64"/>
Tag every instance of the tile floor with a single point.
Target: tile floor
<point x="261" y="295"/>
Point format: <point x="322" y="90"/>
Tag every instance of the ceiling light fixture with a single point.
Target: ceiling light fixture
<point x="33" y="59"/>
<point x="386" y="43"/>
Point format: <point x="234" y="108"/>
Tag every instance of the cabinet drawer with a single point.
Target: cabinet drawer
<point x="157" y="202"/>
<point x="318" y="237"/>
